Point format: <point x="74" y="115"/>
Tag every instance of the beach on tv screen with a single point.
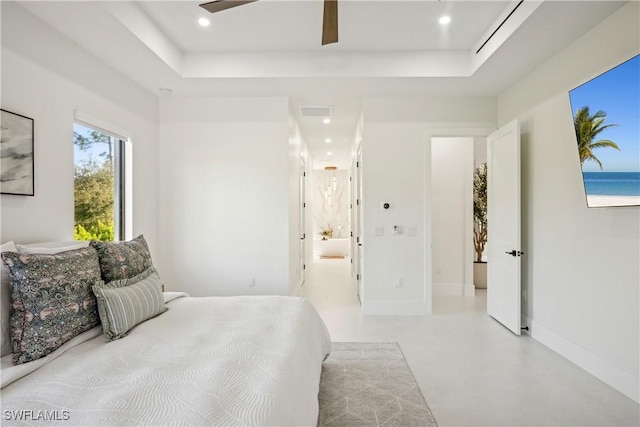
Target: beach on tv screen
<point x="606" y="116"/>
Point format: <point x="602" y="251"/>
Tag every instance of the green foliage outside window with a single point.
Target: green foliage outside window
<point x="93" y="190"/>
<point x="103" y="232"/>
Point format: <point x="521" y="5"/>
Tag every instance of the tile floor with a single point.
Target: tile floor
<point x="471" y="370"/>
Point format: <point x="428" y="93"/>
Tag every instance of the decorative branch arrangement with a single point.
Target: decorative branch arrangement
<point x="480" y="210"/>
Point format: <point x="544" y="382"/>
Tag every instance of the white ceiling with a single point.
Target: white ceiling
<point x="272" y="47"/>
<point x="269" y="25"/>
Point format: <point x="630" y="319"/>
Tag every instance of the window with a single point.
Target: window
<point x="100" y="208"/>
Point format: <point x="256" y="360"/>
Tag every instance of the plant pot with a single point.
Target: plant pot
<point x="480" y="275"/>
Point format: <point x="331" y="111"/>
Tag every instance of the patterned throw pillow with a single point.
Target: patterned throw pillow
<point x="122" y="260"/>
<point x="52" y="299"/>
<point x="123" y="304"/>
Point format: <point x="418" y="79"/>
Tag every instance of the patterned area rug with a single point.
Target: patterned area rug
<point x="370" y="384"/>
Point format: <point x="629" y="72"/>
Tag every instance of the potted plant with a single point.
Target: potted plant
<point x="480" y="225"/>
<point x="326" y="233"/>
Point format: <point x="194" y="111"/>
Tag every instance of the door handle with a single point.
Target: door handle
<point x="515" y="253"/>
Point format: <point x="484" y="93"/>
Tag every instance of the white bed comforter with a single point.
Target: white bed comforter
<point x="206" y="361"/>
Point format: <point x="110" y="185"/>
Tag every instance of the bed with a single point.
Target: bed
<point x="246" y="360"/>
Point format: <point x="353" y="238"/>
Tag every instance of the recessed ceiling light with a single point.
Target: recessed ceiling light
<point x="444" y="20"/>
<point x="204" y="22"/>
<point x="328" y="140"/>
<point x="326" y="120"/>
<point x="329" y="153"/>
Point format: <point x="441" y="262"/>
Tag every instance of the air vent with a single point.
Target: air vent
<point x="315" y="111"/>
<point x="499" y="26"/>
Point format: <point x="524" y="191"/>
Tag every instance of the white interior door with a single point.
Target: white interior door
<point x="503" y="211"/>
<point x="302" y="222"/>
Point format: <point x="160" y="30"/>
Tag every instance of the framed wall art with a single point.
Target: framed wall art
<point x="16" y="154"/>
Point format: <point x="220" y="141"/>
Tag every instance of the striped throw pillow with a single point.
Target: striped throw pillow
<point x="123" y="304"/>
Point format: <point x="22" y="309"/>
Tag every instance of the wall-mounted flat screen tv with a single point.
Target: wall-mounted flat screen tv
<point x="606" y="118"/>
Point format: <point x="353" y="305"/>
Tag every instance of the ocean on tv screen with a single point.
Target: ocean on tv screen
<point x="612" y="183"/>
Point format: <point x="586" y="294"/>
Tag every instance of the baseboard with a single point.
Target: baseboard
<point x="469" y="290"/>
<point x="395" y="308"/>
<point x="453" y="289"/>
<point x="617" y="377"/>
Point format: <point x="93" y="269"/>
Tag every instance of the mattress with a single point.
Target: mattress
<point x="245" y="360"/>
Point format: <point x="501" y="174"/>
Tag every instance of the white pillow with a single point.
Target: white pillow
<point x="51" y="247"/>
<point x="5" y="303"/>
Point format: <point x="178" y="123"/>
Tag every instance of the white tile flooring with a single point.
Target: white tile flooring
<point x="471" y="370"/>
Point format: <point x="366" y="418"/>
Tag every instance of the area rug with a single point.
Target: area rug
<point x="370" y="384"/>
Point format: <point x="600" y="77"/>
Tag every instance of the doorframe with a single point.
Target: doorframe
<point x="472" y="130"/>
<point x="302" y="220"/>
<point x="359" y="235"/>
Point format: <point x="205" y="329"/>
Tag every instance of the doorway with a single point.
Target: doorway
<point x="452" y="216"/>
<point x="502" y="300"/>
<point x="452" y="162"/>
<point x="331" y="207"/>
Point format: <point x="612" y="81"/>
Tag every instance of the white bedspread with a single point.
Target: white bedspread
<point x="206" y="361"/>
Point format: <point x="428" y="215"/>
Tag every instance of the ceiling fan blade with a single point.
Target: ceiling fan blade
<point x="219" y="5"/>
<point x="330" y="22"/>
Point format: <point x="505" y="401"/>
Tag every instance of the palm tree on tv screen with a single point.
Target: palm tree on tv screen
<point x="587" y="128"/>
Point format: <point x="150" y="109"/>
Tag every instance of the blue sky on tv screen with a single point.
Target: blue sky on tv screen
<point x="616" y="92"/>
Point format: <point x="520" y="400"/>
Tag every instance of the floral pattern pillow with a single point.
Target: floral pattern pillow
<point x="122" y="260"/>
<point x="52" y="300"/>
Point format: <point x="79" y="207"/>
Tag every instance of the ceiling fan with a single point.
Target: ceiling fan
<point x="329" y="20"/>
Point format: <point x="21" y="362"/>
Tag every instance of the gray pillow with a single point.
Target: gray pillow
<point x="52" y="299"/>
<point x="122" y="260"/>
<point x="123" y="304"/>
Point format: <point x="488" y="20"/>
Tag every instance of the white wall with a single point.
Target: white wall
<point x="479" y="151"/>
<point x="47" y="77"/>
<point x="452" y="215"/>
<point x="393" y="169"/>
<point x="396" y="170"/>
<point x="224" y="205"/>
<point x="581" y="270"/>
